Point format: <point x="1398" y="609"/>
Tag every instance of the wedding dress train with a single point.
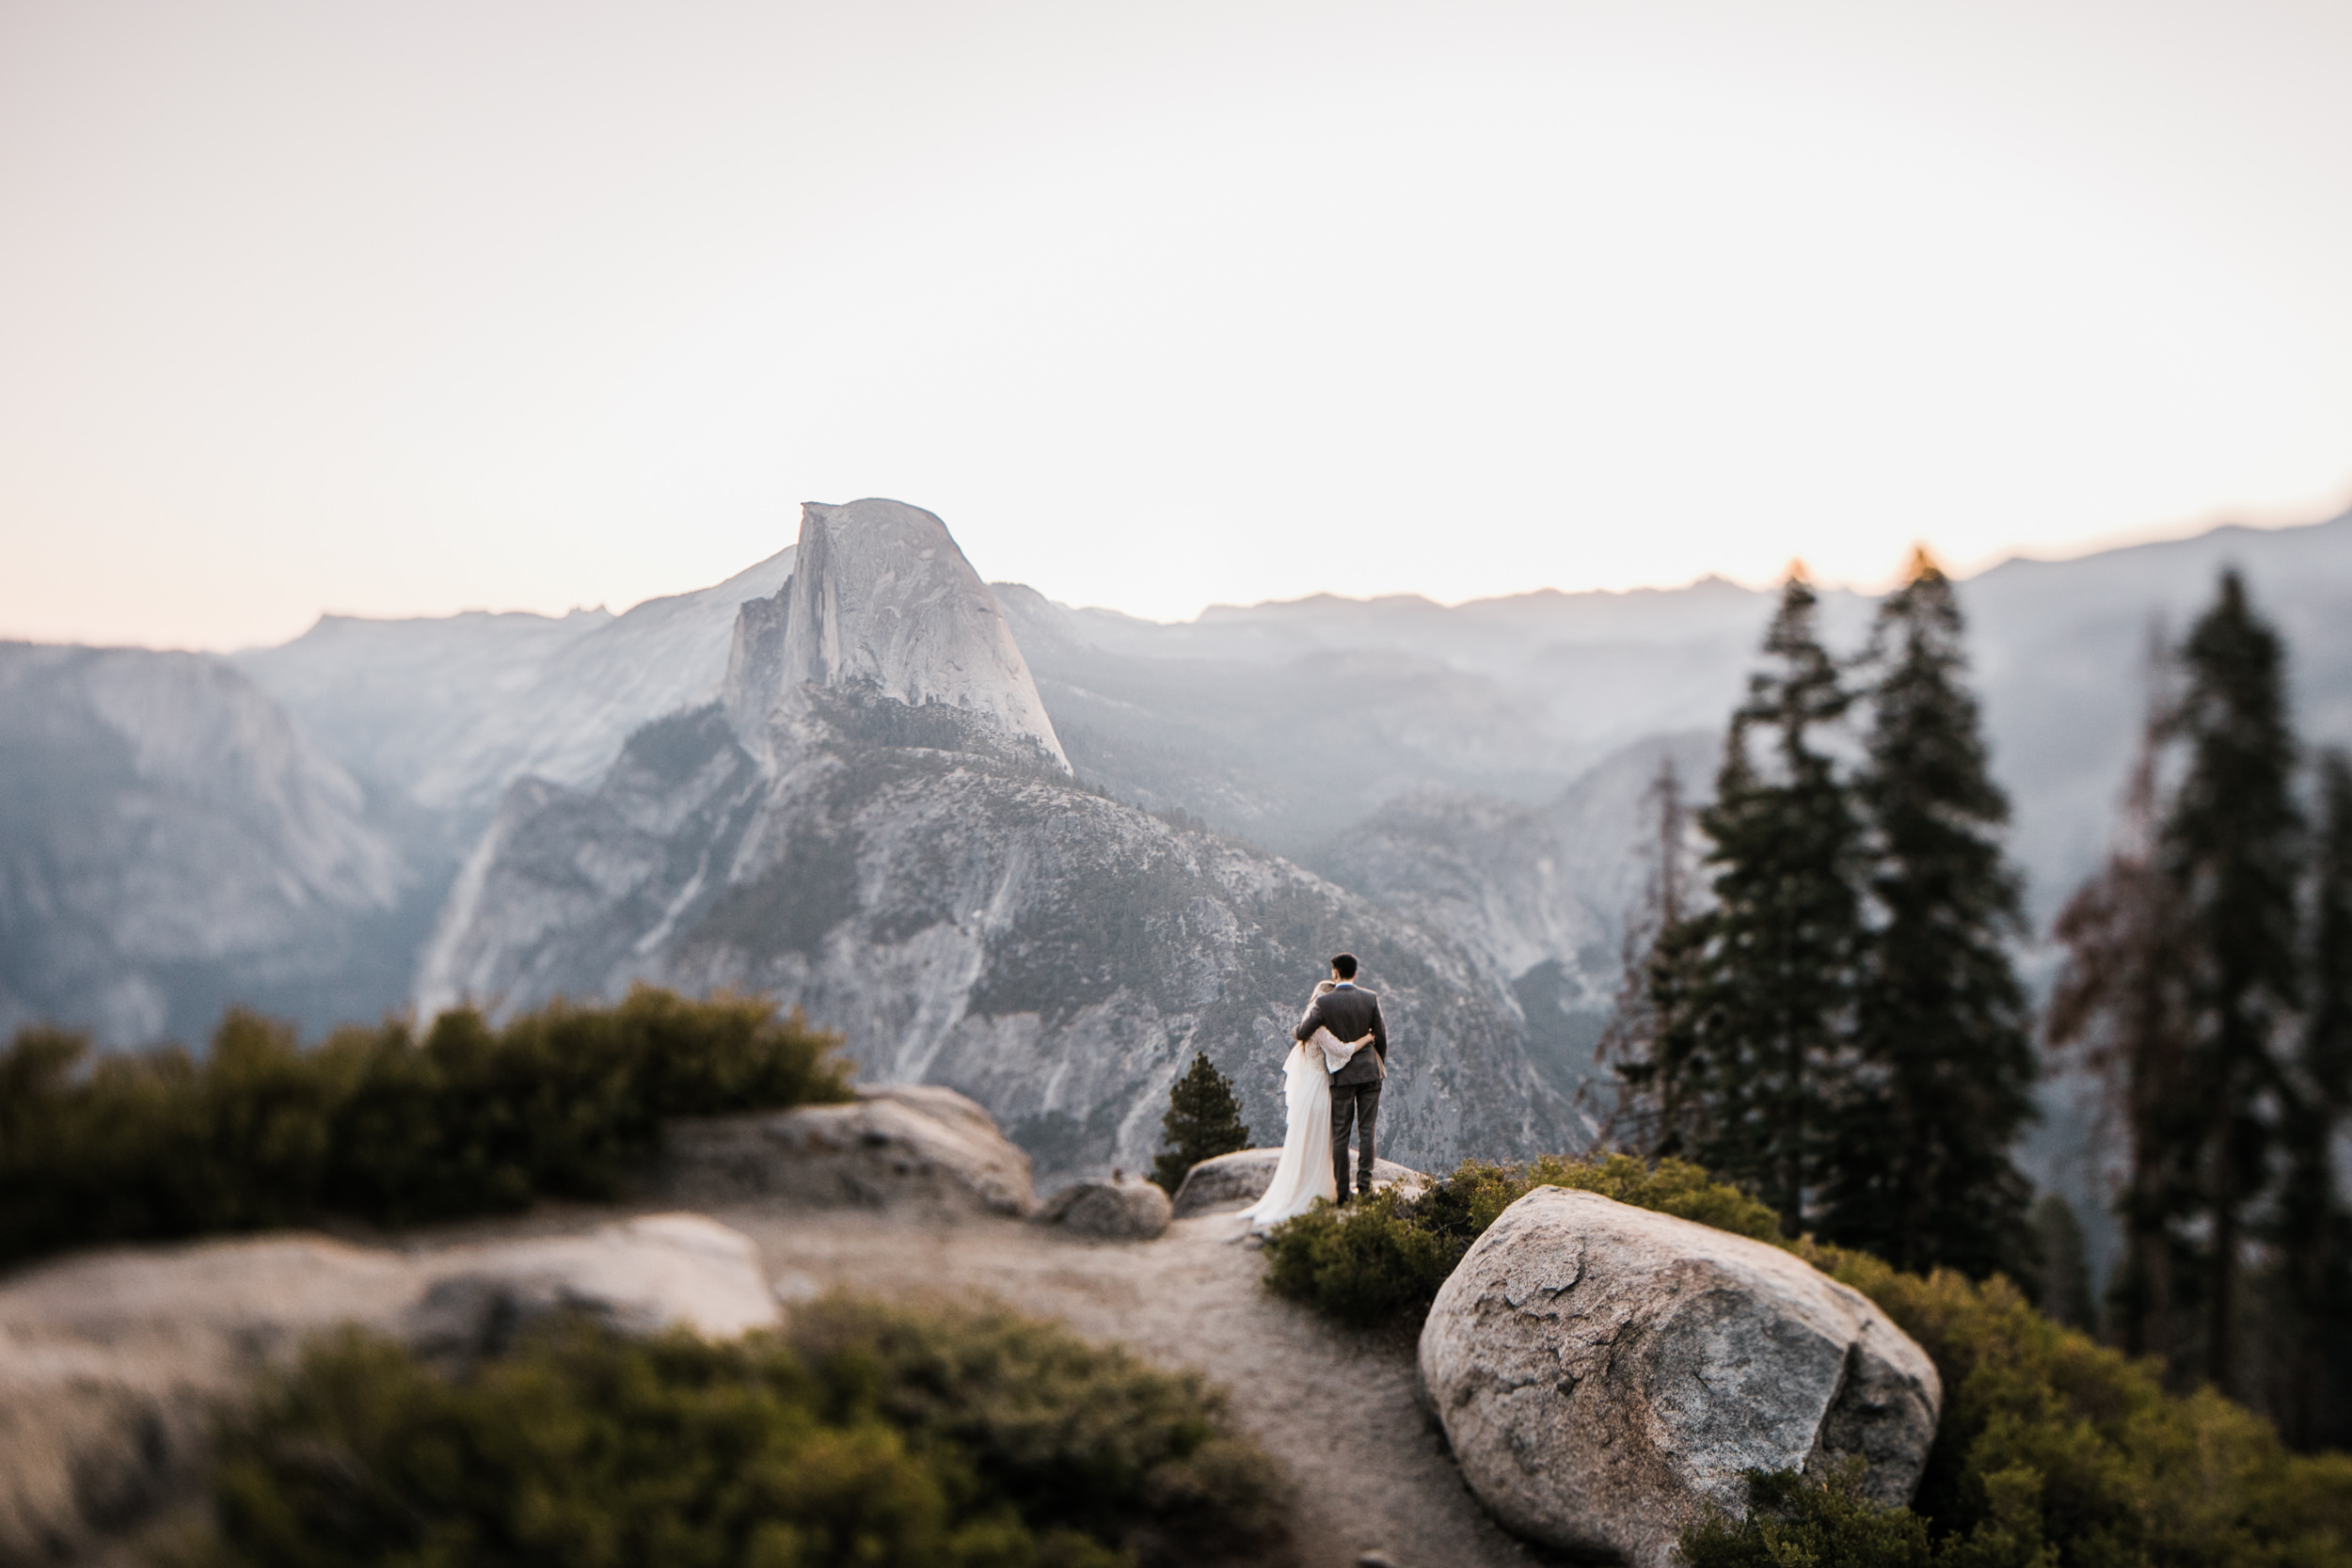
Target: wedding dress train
<point x="1305" y="1172"/>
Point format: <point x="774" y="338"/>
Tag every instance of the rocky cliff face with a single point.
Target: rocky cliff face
<point x="169" y="842"/>
<point x="882" y="603"/>
<point x="896" y="846"/>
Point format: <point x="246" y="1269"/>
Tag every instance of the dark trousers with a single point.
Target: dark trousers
<point x="1350" y="1101"/>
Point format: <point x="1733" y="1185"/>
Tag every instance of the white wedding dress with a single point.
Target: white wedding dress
<point x="1305" y="1172"/>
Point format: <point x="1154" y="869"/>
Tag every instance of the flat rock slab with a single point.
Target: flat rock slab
<point x="1234" y="1180"/>
<point x="896" y="1144"/>
<point x="1604" y="1374"/>
<point x="1124" y="1208"/>
<point x="641" y="1277"/>
<point x="110" y="1366"/>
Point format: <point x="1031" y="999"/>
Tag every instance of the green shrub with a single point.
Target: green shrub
<point x="375" y="1123"/>
<point x="1379" y="1262"/>
<point x="2048" y="1437"/>
<point x="1796" y="1523"/>
<point x="872" y="1435"/>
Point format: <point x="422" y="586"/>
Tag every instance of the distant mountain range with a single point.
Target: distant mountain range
<point x="510" y="805"/>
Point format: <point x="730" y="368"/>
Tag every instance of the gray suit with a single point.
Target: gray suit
<point x="1350" y="1012"/>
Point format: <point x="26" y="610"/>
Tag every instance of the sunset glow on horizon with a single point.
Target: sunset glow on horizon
<point x="412" y="309"/>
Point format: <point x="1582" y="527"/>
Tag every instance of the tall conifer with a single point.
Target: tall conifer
<point x="1765" y="978"/>
<point x="2312" y="1229"/>
<point x="2230" y="848"/>
<point x="1918" y="1170"/>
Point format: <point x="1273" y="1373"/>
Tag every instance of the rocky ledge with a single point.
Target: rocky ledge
<point x="1232" y="1180"/>
<point x="898" y="1144"/>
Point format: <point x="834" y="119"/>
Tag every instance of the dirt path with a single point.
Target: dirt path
<point x="1339" y="1409"/>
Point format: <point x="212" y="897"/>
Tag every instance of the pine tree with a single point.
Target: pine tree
<point x="1918" y="1169"/>
<point x="1204" y="1121"/>
<point x="1761" y="986"/>
<point x="2230" y="848"/>
<point x="2119" y="1001"/>
<point x="2312" y="1229"/>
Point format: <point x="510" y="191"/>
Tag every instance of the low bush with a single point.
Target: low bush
<point x="2050" y="1439"/>
<point x="375" y="1123"/>
<point x="871" y="1436"/>
<point x="1379" y="1263"/>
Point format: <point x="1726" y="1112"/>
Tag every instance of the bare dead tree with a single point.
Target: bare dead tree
<point x="2120" y="1005"/>
<point x="1644" y="1106"/>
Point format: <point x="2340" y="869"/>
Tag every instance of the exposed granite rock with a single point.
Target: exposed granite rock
<point x="882" y="600"/>
<point x="111" y="1365"/>
<point x="1124" y="1208"/>
<point x="898" y="1144"/>
<point x="638" y="1277"/>
<point x="1237" y="1179"/>
<point x="1604" y="1372"/>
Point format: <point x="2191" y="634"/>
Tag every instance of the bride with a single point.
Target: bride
<point x="1305" y="1173"/>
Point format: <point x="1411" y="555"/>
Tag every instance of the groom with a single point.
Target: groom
<point x="1350" y="1012"/>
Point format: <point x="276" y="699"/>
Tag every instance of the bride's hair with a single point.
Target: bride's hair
<point x="1324" y="987"/>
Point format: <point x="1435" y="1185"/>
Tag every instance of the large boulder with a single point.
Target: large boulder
<point x="1604" y="1374"/>
<point x="111" y="1366"/>
<point x="906" y="1143"/>
<point x="1232" y="1180"/>
<point x="663" y="1271"/>
<point x="1124" y="1208"/>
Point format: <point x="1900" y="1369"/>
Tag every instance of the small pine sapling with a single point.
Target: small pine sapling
<point x="1204" y="1121"/>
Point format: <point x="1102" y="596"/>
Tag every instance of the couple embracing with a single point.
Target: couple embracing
<point x="1331" y="1082"/>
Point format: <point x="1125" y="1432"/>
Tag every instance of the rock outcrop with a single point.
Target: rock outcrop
<point x="898" y="1145"/>
<point x="1237" y="1179"/>
<point x="880" y="601"/>
<point x="1124" y="1208"/>
<point x="639" y="1276"/>
<point x="111" y="1365"/>
<point x="1604" y="1374"/>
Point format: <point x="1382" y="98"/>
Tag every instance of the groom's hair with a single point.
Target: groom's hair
<point x="1345" y="966"/>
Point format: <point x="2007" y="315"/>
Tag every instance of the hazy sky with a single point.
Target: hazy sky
<point x="408" y="307"/>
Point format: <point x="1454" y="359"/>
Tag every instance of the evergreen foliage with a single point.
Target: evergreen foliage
<point x="1204" y="1121"/>
<point x="1754" y="997"/>
<point x="2056" y="1450"/>
<point x="2230" y="848"/>
<point x="1822" y="1523"/>
<point x="871" y="1435"/>
<point x="375" y="1123"/>
<point x="2312" y="1229"/>
<point x="1915" y="1164"/>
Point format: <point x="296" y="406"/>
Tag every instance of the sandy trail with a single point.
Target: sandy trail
<point x="1339" y="1408"/>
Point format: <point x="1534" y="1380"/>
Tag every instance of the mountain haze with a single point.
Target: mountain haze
<point x="1038" y="851"/>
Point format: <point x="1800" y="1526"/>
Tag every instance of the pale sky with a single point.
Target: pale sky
<point x="403" y="308"/>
